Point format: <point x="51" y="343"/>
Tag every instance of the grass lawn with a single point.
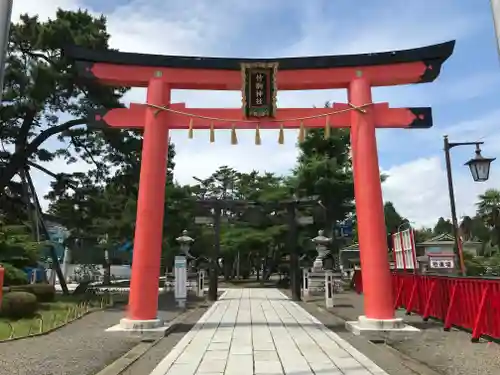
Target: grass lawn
<point x="52" y="314"/>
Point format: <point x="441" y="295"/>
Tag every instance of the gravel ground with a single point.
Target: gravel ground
<point x="80" y="348"/>
<point x="448" y="353"/>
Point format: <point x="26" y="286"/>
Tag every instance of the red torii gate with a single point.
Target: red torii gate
<point x="356" y="73"/>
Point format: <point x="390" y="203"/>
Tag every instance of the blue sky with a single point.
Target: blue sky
<point x="464" y="98"/>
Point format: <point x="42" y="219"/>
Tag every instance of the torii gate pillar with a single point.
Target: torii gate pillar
<point x="143" y="299"/>
<point x="377" y="283"/>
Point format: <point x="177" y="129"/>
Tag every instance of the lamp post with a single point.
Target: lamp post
<point x="480" y="170"/>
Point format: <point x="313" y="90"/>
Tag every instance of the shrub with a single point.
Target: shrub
<point x="18" y="305"/>
<point x="43" y="292"/>
<point x="13" y="275"/>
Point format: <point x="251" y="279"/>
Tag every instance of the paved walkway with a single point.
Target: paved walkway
<point x="261" y="331"/>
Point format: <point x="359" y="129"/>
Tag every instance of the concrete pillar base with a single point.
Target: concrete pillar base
<point x="380" y="329"/>
<point x="140" y="325"/>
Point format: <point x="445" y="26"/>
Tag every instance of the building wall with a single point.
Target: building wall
<point x="439" y="249"/>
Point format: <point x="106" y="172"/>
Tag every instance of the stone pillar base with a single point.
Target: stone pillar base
<point x="317" y="265"/>
<point x="380" y="329"/>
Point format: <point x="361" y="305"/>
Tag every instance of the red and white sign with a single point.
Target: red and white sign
<point x="405" y="257"/>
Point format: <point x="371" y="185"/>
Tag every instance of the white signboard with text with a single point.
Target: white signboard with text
<point x="180" y="274"/>
<point x="441" y="262"/>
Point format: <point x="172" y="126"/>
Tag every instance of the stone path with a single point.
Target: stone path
<point x="449" y="353"/>
<point x="261" y="331"/>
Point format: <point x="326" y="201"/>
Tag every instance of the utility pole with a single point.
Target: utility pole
<point x="5" y="16"/>
<point x="495" y="10"/>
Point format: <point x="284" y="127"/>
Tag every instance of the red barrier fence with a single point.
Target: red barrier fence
<point x="469" y="303"/>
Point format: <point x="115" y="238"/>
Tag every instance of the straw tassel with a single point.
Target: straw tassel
<point x="302" y="132"/>
<point x="212" y="132"/>
<point x="327" y="127"/>
<point x="190" y="131"/>
<point x="234" y="137"/>
<point x="281" y="136"/>
<point x="258" y="141"/>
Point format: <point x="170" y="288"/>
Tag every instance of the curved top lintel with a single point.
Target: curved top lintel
<point x="434" y="54"/>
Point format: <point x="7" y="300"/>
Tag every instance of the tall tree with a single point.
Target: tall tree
<point x="423" y="234"/>
<point x="250" y="238"/>
<point x="43" y="98"/>
<point x="324" y="169"/>
<point x="488" y="209"/>
<point x="443" y="226"/>
<point x="91" y="211"/>
<point x="474" y="228"/>
<point x="393" y="220"/>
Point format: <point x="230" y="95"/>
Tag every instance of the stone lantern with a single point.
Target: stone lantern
<point x="185" y="242"/>
<point x="321" y="242"/>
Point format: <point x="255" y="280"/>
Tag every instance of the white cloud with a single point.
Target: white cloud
<point x="419" y="189"/>
<point x="44" y="9"/>
<point x="381" y="30"/>
<point x="471" y="87"/>
<point x="168" y="27"/>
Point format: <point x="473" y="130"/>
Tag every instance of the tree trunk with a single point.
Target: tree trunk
<point x="238" y="262"/>
<point x="19" y="158"/>
<point x="497" y="230"/>
<point x="53" y="253"/>
<point x="226" y="264"/>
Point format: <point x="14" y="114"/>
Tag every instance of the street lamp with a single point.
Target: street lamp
<point x="479" y="166"/>
<point x="480" y="170"/>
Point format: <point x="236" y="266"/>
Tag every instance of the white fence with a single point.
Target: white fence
<point x="77" y="272"/>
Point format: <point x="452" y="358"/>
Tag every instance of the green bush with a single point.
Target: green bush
<point x="13" y="275"/>
<point x="18" y="305"/>
<point x="43" y="292"/>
